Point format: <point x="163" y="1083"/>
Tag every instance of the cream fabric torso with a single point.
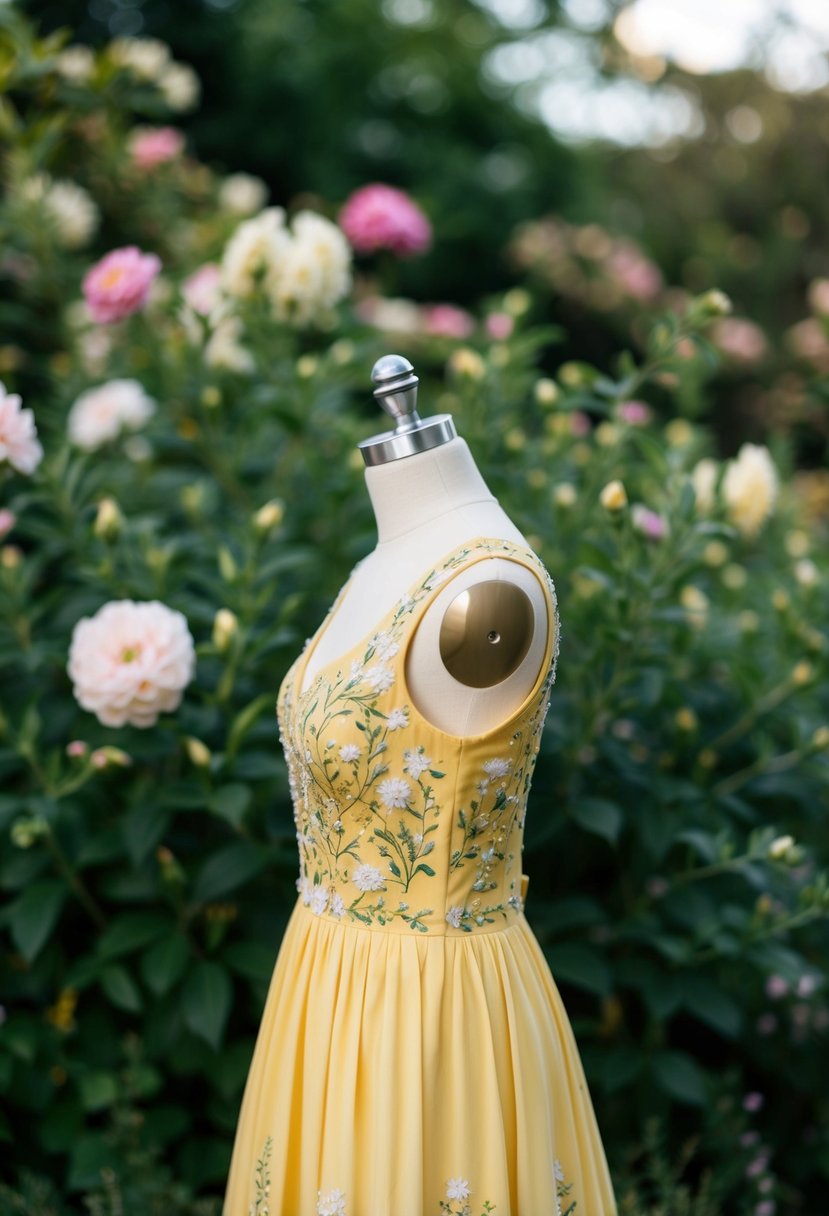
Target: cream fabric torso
<point x="423" y="505"/>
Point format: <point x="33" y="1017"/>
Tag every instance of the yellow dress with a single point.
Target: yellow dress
<point x="414" y="1056"/>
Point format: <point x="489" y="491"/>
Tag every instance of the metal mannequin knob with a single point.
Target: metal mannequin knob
<point x="396" y="392"/>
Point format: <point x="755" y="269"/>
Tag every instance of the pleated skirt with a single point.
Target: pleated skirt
<point x="405" y="1074"/>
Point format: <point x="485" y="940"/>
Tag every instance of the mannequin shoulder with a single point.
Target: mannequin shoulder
<point x="479" y="647"/>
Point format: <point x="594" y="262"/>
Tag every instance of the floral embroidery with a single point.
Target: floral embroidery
<point x="562" y="1191"/>
<point x="366" y="820"/>
<point x="259" y="1205"/>
<point x="331" y="1203"/>
<point x="458" y="1189"/>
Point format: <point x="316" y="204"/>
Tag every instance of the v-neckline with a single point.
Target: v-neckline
<point x="438" y="567"/>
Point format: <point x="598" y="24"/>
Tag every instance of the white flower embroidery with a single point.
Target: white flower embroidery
<point x="416" y="763"/>
<point x="379" y="677"/>
<point x="418" y="838"/>
<point x="367" y="878"/>
<point x="384" y="647"/>
<point x="331" y="1203"/>
<point x="397" y="719"/>
<point x="349" y="752"/>
<point x="395" y="793"/>
<point x="559" y="1172"/>
<point x="454" y="916"/>
<point x="337" y="905"/>
<point x="497" y="768"/>
<point x="457" y="1188"/>
<point x="319" y="899"/>
<point x="356" y="671"/>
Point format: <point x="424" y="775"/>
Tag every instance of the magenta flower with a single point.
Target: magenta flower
<point x="151" y="146"/>
<point x="120" y="283"/>
<point x="381" y="217"/>
<point x="635" y="412"/>
<point x="446" y="321"/>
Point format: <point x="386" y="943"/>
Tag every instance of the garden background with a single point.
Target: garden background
<point x="632" y="335"/>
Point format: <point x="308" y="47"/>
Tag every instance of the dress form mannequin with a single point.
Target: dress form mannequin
<point x="426" y="502"/>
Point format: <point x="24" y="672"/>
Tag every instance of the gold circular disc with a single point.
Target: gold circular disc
<point x="485" y="633"/>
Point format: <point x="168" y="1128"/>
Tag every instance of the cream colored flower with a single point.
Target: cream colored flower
<point x="223" y="349"/>
<point x="75" y="64"/>
<point x="565" y="494"/>
<point x="467" y="364"/>
<point x="749" y="488"/>
<point x="147" y="58"/>
<point x="68" y="208"/>
<point x="180" y="86"/>
<point x="131" y="661"/>
<point x="100" y="414"/>
<point x="243" y="194"/>
<point x="254" y="252"/>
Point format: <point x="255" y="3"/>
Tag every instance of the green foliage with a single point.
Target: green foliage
<point x="677" y="837"/>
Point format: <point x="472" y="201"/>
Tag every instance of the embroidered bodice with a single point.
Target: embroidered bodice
<point x="401" y="826"/>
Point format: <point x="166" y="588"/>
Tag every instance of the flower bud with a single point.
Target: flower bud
<point x="780" y="846"/>
<point x="547" y="392"/>
<point x="613" y="496"/>
<point x="225" y="628"/>
<point x="467" y="364"/>
<point x="11" y="556"/>
<point x="802" y="672"/>
<point x="109" y="520"/>
<point x="712" y="303"/>
<point x="227" y="564"/>
<point x="270" y="515"/>
<point x="198" y="752"/>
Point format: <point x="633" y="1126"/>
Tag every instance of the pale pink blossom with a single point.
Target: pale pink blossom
<point x="378" y="216"/>
<point x="637" y="275"/>
<point x="753" y="1101"/>
<point x="818" y="296"/>
<point x="18" y="435"/>
<point x="579" y="422"/>
<point x="499" y="325"/>
<point x="151" y="146"/>
<point x="446" y="321"/>
<point x="776" y="986"/>
<point x="740" y="339"/>
<point x="637" y="413"/>
<point x="120" y="283"/>
<point x="7" y="521"/>
<point x="77" y="747"/>
<point x="131" y="661"/>
<point x="807" y="340"/>
<point x="648" y="522"/>
<point x="201" y="289"/>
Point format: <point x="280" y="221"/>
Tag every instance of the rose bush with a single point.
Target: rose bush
<point x="182" y="498"/>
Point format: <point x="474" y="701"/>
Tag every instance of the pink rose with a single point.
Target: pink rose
<point x="7" y="521"/>
<point x="151" y="146"/>
<point x="499" y="325"/>
<point x="381" y="217"/>
<point x="120" y="283"/>
<point x="740" y="338"/>
<point x="446" y="321"/>
<point x="18" y="437"/>
<point x="131" y="661"/>
<point x="201" y="289"/>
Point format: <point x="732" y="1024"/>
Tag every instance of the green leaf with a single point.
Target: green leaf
<point x="426" y="869"/>
<point x="678" y="1075"/>
<point x="230" y="802"/>
<point x="206" y="999"/>
<point x="245" y="719"/>
<point x="227" y="870"/>
<point x="598" y="815"/>
<point x="580" y="965"/>
<point x="133" y="930"/>
<point x="34" y="915"/>
<point x="251" y="959"/>
<point x="165" y="963"/>
<point x="143" y="828"/>
<point x="712" y="1006"/>
<point x="618" y="1068"/>
<point x="98" y="1090"/>
<point x="121" y="988"/>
